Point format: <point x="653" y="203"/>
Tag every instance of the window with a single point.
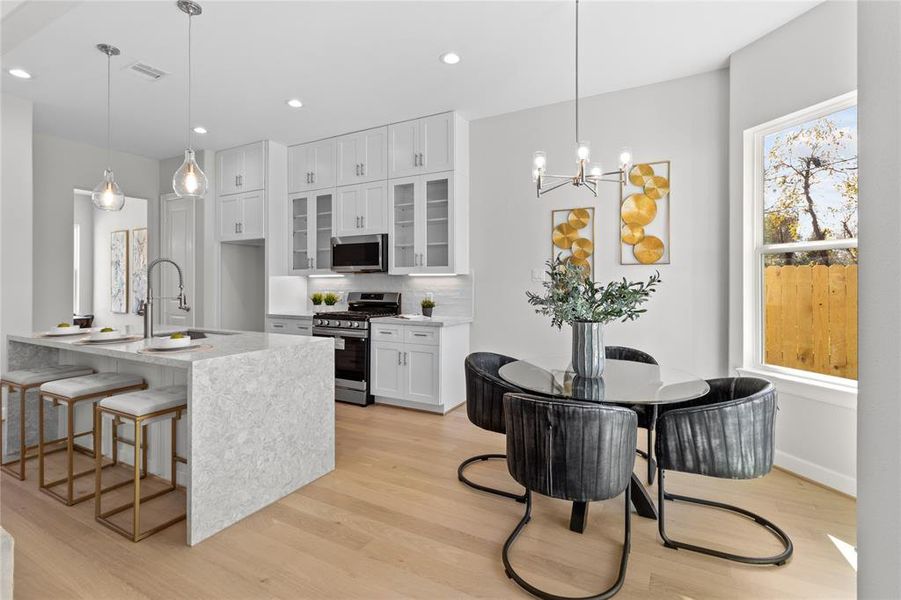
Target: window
<point x="803" y="260"/>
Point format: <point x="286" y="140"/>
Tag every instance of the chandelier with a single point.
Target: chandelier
<point x="589" y="174"/>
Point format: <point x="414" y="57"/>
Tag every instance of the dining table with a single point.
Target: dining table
<point x="623" y="382"/>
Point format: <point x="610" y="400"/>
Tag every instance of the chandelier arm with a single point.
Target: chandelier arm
<point x="543" y="190"/>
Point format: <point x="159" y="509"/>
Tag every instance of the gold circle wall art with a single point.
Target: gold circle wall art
<point x="645" y="214"/>
<point x="572" y="236"/>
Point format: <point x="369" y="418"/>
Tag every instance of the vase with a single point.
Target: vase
<point x="588" y="349"/>
<point x="426" y="311"/>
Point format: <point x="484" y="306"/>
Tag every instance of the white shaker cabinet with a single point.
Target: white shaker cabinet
<point x="312" y="166"/>
<point x="423" y="145"/>
<point x="422" y="225"/>
<point x="241" y="169"/>
<point x="310" y="228"/>
<point x="242" y="216"/>
<point x="362" y="156"/>
<point x="362" y="209"/>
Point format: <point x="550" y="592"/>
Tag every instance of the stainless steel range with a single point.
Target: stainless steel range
<point x="350" y="329"/>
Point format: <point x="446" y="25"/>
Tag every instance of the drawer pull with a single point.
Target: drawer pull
<point x="421" y="334"/>
<point x="278" y="326"/>
<point x="383" y="332"/>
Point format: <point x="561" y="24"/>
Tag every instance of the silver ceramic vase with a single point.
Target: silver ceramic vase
<point x="588" y="349"/>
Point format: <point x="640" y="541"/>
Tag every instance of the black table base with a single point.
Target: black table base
<point x="641" y="501"/>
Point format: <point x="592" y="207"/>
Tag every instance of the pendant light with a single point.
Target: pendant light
<point x="107" y="195"/>
<point x="189" y="179"/>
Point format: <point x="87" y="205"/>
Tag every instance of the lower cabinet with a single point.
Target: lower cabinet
<point x="291" y="326"/>
<point x="419" y="367"/>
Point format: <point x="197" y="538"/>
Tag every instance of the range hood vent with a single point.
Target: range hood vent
<point x="145" y="71"/>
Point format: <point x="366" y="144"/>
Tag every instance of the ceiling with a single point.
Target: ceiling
<point x="354" y="64"/>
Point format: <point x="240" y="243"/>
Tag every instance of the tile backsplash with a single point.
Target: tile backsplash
<point x="453" y="295"/>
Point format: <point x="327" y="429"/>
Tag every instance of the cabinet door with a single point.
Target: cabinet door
<point x="437" y="143"/>
<point x="373" y="208"/>
<point x="321" y="163"/>
<point x="253" y="174"/>
<point x="229" y="217"/>
<point x="403" y="146"/>
<point x="300" y="259"/>
<point x="348" y="151"/>
<point x="347" y="211"/>
<point x="387" y="369"/>
<point x="374" y="159"/>
<point x="421" y="373"/>
<point x="253" y="218"/>
<point x="402" y="229"/>
<point x="228" y="166"/>
<point x="436" y="244"/>
<point x="322" y="229"/>
<point x="298" y="169"/>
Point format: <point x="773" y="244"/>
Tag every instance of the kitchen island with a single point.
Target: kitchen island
<point x="260" y="422"/>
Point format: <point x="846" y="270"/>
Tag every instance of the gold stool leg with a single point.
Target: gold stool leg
<point x="136" y="515"/>
<point x="70" y="451"/>
<point x="144" y="450"/>
<point x="98" y="458"/>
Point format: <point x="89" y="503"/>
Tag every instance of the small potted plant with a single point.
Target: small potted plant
<point x="427" y="305"/>
<point x="316" y="298"/>
<point x="571" y="296"/>
<point x="330" y="299"/>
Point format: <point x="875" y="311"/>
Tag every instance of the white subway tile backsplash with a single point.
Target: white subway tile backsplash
<point x="453" y="295"/>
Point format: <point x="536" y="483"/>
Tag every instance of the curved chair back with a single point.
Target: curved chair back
<point x="728" y="433"/>
<point x="485" y="390"/>
<point x="631" y="354"/>
<point x="569" y="450"/>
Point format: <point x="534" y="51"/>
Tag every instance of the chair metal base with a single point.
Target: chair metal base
<point x="778" y="559"/>
<point x="608" y="593"/>
<point x="482" y="488"/>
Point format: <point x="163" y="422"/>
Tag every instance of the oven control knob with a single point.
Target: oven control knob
<point x="355" y="324"/>
<point x="333" y="323"/>
<point x="317" y="322"/>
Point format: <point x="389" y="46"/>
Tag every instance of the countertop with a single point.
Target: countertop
<point x="425" y="322"/>
<point x="293" y="315"/>
<point x="223" y="343"/>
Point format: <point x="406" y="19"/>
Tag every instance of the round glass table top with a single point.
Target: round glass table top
<point x="623" y="382"/>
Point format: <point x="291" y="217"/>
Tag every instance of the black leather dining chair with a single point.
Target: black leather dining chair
<point x="728" y="433"/>
<point x="647" y="414"/>
<point x="572" y="451"/>
<point x="485" y="408"/>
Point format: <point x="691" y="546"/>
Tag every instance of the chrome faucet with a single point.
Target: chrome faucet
<point x="146" y="308"/>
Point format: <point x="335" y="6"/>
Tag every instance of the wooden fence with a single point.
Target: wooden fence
<point x="811" y="318"/>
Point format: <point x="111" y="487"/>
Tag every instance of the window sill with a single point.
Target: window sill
<point x="836" y="394"/>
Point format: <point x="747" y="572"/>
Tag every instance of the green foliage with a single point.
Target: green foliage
<point x="316" y="298"/>
<point x="330" y="298"/>
<point x="427" y="303"/>
<point x="570" y="296"/>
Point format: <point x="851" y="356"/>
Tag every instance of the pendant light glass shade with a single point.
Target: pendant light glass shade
<point x="107" y="195"/>
<point x="189" y="179"/>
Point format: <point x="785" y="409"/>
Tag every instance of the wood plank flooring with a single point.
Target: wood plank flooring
<point x="392" y="521"/>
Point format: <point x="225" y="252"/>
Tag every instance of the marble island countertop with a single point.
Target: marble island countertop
<point x="218" y="343"/>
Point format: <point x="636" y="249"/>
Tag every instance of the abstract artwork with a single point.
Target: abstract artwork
<point x="644" y="213"/>
<point x="138" y="267"/>
<point x="572" y="237"/>
<point x="119" y="272"/>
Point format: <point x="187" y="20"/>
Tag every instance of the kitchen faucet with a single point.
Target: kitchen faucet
<point x="146" y="308"/>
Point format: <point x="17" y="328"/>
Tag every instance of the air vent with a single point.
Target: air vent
<point x="145" y="71"/>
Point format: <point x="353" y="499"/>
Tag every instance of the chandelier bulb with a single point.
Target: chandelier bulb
<point x="583" y="152"/>
<point x="625" y="156"/>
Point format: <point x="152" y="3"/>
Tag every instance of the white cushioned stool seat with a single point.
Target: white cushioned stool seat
<point x="145" y="402"/>
<point x="91" y="384"/>
<point x="45" y="374"/>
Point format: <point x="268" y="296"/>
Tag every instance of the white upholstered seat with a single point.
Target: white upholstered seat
<point x="91" y="384"/>
<point x="145" y="402"/>
<point x="44" y="374"/>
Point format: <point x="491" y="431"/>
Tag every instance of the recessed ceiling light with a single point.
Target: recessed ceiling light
<point x="20" y="73"/>
<point x="199" y="129"/>
<point x="294" y="103"/>
<point x="450" y="58"/>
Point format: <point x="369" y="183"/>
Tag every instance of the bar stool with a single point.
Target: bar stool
<point x="23" y="380"/>
<point x="141" y="408"/>
<point x="70" y="392"/>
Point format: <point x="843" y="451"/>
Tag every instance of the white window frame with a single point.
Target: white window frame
<point x="754" y="249"/>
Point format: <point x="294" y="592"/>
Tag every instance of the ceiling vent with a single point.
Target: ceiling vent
<point x="145" y="71"/>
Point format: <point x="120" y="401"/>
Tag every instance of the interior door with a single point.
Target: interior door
<point x="387" y="369"/>
<point x="347" y="149"/>
<point x="177" y="242"/>
<point x="437" y="143"/>
<point x="348" y="211"/>
<point x="403" y="144"/>
<point x="253" y="174"/>
<point x="373" y="206"/>
<point x="421" y="372"/>
<point x="374" y="161"/>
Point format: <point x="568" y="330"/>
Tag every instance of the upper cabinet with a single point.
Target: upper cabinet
<point x="362" y="209"/>
<point x="312" y="166"/>
<point x="311" y="227"/>
<point x="420" y="146"/>
<point x="362" y="156"/>
<point x="241" y="169"/>
<point x="422" y="225"/>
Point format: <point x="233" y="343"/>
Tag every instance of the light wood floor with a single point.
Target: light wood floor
<point x="392" y="521"/>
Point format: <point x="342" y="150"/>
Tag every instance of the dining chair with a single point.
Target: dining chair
<point x="647" y="414"/>
<point x="728" y="433"/>
<point x="485" y="408"/>
<point x="574" y="451"/>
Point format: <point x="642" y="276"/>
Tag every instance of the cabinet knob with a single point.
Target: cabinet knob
<point x="362" y="168"/>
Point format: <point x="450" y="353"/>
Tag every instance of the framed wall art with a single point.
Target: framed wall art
<point x="645" y="214"/>
<point x="119" y="271"/>
<point x="572" y="236"/>
<point x="138" y="267"/>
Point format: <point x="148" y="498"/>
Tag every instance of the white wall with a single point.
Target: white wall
<point x="879" y="418"/>
<point x="132" y="216"/>
<point x="84" y="218"/>
<point x="683" y="120"/>
<point x="60" y="166"/>
<point x="16" y="213"/>
<point x="810" y="59"/>
<point x="243" y="281"/>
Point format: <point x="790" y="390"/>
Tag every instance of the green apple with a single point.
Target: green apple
<point x="63" y="325"/>
<point x="107" y="330"/>
<point x="177" y="336"/>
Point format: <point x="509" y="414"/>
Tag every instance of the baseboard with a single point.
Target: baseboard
<point x="816" y="473"/>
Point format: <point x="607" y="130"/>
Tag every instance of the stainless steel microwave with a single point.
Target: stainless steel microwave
<point x="360" y="253"/>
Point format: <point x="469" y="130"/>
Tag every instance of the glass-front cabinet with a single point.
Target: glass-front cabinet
<point x="421" y="224"/>
<point x="312" y="227"/>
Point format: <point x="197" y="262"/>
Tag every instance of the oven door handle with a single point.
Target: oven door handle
<point x="334" y="332"/>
